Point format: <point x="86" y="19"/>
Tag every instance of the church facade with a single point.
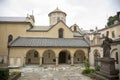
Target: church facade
<point x="23" y="43"/>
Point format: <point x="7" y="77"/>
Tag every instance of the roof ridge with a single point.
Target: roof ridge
<point x="49" y="38"/>
<point x="42" y="25"/>
<point x="12" y="17"/>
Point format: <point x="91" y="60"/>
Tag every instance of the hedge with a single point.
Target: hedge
<point x="4" y="73"/>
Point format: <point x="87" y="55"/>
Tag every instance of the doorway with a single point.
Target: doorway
<point x="64" y="57"/>
<point x="32" y="57"/>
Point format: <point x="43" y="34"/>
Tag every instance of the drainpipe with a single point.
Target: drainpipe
<point x="8" y="57"/>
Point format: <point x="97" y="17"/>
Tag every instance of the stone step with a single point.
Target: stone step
<point x="32" y="66"/>
<point x="107" y="75"/>
<point x="99" y="77"/>
<point x="103" y="76"/>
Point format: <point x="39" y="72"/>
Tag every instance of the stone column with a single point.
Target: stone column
<point x="40" y="61"/>
<point x="119" y="58"/>
<point x="119" y="64"/>
<point x="72" y="60"/>
<point x="56" y="61"/>
<point x="24" y="59"/>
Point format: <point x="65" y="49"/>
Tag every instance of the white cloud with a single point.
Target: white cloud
<point x="86" y="13"/>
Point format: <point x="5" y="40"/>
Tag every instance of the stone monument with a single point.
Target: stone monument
<point x="107" y="64"/>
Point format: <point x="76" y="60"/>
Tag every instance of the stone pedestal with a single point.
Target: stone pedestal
<point x="107" y="70"/>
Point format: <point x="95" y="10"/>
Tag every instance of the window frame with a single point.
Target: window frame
<point x="113" y="34"/>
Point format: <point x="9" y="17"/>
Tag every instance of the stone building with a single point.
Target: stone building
<point x="118" y="48"/>
<point x="96" y="39"/>
<point x="24" y="43"/>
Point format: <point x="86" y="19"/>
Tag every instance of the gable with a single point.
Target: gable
<point x="77" y="28"/>
<point x="67" y="32"/>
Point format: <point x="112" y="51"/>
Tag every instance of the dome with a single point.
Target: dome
<point x="56" y="16"/>
<point x="57" y="11"/>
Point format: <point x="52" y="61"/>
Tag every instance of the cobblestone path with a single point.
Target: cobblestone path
<point x="51" y="72"/>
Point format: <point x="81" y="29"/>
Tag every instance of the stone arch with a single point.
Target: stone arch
<point x="79" y="56"/>
<point x="49" y="57"/>
<point x="64" y="57"/>
<point x="114" y="54"/>
<point x="32" y="57"/>
<point x="96" y="57"/>
<point x="115" y="49"/>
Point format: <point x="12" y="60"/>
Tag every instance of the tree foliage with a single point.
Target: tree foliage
<point x="4" y="73"/>
<point x="112" y="19"/>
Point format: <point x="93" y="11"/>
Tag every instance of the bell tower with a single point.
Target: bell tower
<point x="56" y="16"/>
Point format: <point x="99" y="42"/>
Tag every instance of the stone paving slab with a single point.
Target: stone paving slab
<point x="52" y="72"/>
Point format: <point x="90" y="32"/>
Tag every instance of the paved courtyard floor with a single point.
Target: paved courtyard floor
<point x="52" y="72"/>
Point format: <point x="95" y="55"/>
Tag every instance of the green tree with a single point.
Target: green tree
<point x="112" y="19"/>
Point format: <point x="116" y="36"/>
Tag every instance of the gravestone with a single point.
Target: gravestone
<point x="107" y="64"/>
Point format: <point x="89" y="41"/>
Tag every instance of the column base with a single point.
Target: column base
<point x="72" y="64"/>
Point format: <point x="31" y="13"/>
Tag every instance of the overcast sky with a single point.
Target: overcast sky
<point x="87" y="14"/>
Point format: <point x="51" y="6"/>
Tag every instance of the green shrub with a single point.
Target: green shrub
<point x="92" y="70"/>
<point x="15" y="72"/>
<point x="97" y="68"/>
<point x="4" y="73"/>
<point x="86" y="64"/>
<point x="88" y="71"/>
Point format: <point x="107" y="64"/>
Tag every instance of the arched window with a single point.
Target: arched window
<point x="58" y="19"/>
<point x="75" y="28"/>
<point x="60" y="33"/>
<point x="10" y="38"/>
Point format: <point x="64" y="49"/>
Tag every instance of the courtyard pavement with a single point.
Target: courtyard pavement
<point x="52" y="72"/>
